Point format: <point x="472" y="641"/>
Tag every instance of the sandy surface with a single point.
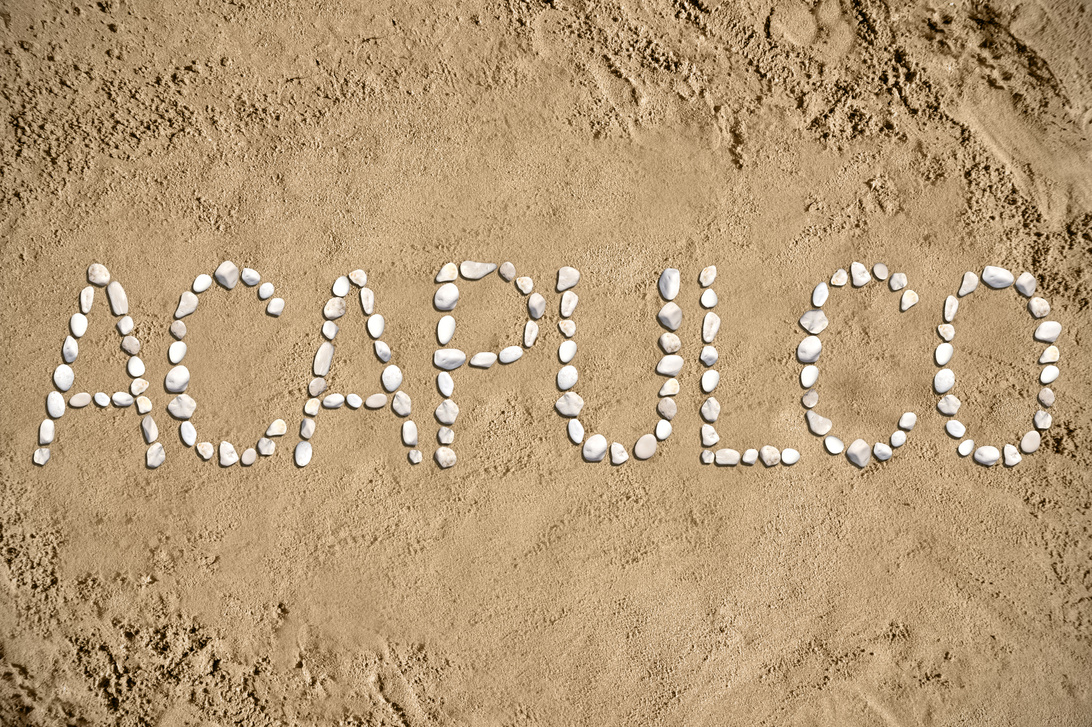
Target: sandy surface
<point x="777" y="141"/>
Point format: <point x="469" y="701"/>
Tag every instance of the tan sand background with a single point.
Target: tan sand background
<point x="778" y="141"/>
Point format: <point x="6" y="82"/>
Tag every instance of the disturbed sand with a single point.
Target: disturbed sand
<point x="778" y="141"/>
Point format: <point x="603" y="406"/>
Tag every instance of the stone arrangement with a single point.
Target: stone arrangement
<point x="815" y="321"/>
<point x="448" y="360"/>
<point x="944" y="382"/>
<point x="769" y="455"/>
<point x="390" y="379"/>
<point x="64" y="377"/>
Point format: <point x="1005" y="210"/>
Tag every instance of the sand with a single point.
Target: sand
<point x="524" y="586"/>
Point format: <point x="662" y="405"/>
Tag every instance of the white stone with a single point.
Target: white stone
<point x="449" y="272"/>
<point x="1043" y="419"/>
<point x="367" y="300"/>
<point x="969" y="284"/>
<point x="102" y="399"/>
<point x="134" y="366"/>
<point x="375" y="401"/>
<point x="879" y="271"/>
<point x="667" y="408"/>
<point x="726" y="457"/>
<point x="149" y="429"/>
<point x="41" y="456"/>
<point x="138" y="386"/>
<point x="249" y="456"/>
<point x="669" y="283"/>
<point x="122" y="399"/>
<point x="670" y="316"/>
<point x="391" y="378"/>
<point x="353" y="401"/>
<point x="833" y="444"/>
<point x="1049" y="374"/>
<point x="530" y="333"/>
<point x="265" y="290"/>
<point x="201" y="283"/>
<point x="710" y="409"/>
<point x="471" y="270"/>
<point x="809" y="349"/>
<point x="46" y="430"/>
<point x="382" y="351"/>
<point x="307" y="428"/>
<point x="447" y="412"/>
<point x="130" y="345"/>
<point x="1048" y="331"/>
<point x="819" y="295"/>
<point x="80" y="400"/>
<point x="859" y="453"/>
<point x="341" y="286"/>
<point x="1026" y="284"/>
<point x="709" y="380"/>
<point x="595" y="449"/>
<point x="988" y="456"/>
<point x="177" y="379"/>
<point x="566" y="351"/>
<point x="670" y="388"/>
<point x="707" y="276"/>
<point x="303" y="452"/>
<point x="376" y="325"/>
<point x="566" y="377"/>
<point x="881" y="452"/>
<point x="1038" y="307"/>
<point x="312" y="405"/>
<point x="575" y="430"/>
<point x="536" y="306"/>
<point x="444" y="435"/>
<point x="1030" y="442"/>
<point x="789" y="456"/>
<point x="708" y="355"/>
<point x="182" y="406"/>
<point x="946" y="331"/>
<point x="415" y="456"/>
<point x="670" y="342"/>
<point x="514" y="353"/>
<point x="445" y="457"/>
<point x="1050" y="355"/>
<point x="228" y="455"/>
<point x="87" y="298"/>
<point x="995" y="278"/>
<point x="669" y="365"/>
<point x="569" y="300"/>
<point x="78" y="324"/>
<point x="409" y="434"/>
<point x="569" y="405"/>
<point x="1012" y="456"/>
<point x="770" y="456"/>
<point x="176" y="352"/>
<point x="645" y="446"/>
<point x="709" y="327"/>
<point x="818" y="424"/>
<point x="277" y="428"/>
<point x="955" y="428"/>
<point x="943" y="381"/>
<point x="250" y="277"/>
<point x="448" y="359"/>
<point x="507" y="271"/>
<point x="525" y="284"/>
<point x="965" y="447"/>
<point x="445" y="383"/>
<point x="445" y="329"/>
<point x="809" y="375"/>
<point x="335" y="308"/>
<point x="951" y="305"/>
<point x="483" y="359"/>
<point x="567" y="277"/>
<point x="63" y="377"/>
<point x="948" y="405"/>
<point x="359" y="278"/>
<point x="618" y="454"/>
<point x="750" y="456"/>
<point x="205" y="450"/>
<point x="1046" y="398"/>
<point x="909" y="300"/>
<point x="897" y="282"/>
<point x="227" y="275"/>
<point x="333" y="401"/>
<point x="860" y="274"/>
<point x="567" y="328"/>
<point x="275" y="307"/>
<point x="898" y="438"/>
<point x="97" y="274"/>
<point x="189" y="435"/>
<point x="155" y="456"/>
<point x="810" y="398"/>
<point x="324" y="357"/>
<point x="943" y="354"/>
<point x="814" y="321"/>
<point x="709" y="435"/>
<point x="70" y="350"/>
<point x="840" y="278"/>
<point x="266" y="447"/>
<point x="446" y="298"/>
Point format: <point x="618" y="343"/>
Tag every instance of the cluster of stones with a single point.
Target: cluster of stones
<point x="449" y="359"/>
<point x="64" y="377"/>
<point x="769" y="455"/>
<point x="177" y="380"/>
<point x="570" y="404"/>
<point x="944" y="381"/>
<point x="815" y="322"/>
<point x="390" y="379"/>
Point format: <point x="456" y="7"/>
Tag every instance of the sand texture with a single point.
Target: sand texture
<point x="778" y="141"/>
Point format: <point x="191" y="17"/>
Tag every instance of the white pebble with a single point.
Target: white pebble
<point x="155" y="456"/>
<point x="879" y="271"/>
<point x="250" y="277"/>
<point x="567" y="328"/>
<point x="375" y="401"/>
<point x="1048" y="331"/>
<point x="176" y="352"/>
<point x="818" y="424"/>
<point x="205" y="450"/>
<point x="749" y="457"/>
<point x="447" y="412"/>
<point x="708" y="355"/>
<point x="536" y="306"/>
<point x="670" y="316"/>
<point x="810" y="398"/>
<point x="707" y="276"/>
<point x="475" y="271"/>
<point x="187" y="304"/>
<point x="987" y="455"/>
<point x="307" y="428"/>
<point x="444" y="435"/>
<point x="359" y="278"/>
<point x="177" y="379"/>
<point x="1038" y="307"/>
<point x="249" y="455"/>
<point x="709" y="327"/>
<point x="135" y="367"/>
<point x="955" y="428"/>
<point x="860" y="275"/>
<point x="382" y="351"/>
<point x="951" y="305"/>
<point x="1026" y="284"/>
<point x="566" y="377"/>
<point x="367" y="300"/>
<point x="80" y="400"/>
<point x="1050" y="355"/>
<point x="525" y="284"/>
<point x="483" y="359"/>
<point x="333" y="401"/>
<point x="391" y="378"/>
<point x="448" y="359"/>
<point x="87" y="298"/>
<point x="119" y="301"/>
<point x="376" y="325"/>
<point x="667" y="408"/>
<point x="809" y="375"/>
<point x="618" y="454"/>
<point x="341" y="286"/>
<point x="669" y="283"/>
<point x="898" y="438"/>
<point x="840" y="278"/>
<point x="335" y="308"/>
<point x="445" y="329"/>
<point x="63" y="377"/>
<point x="1046" y="398"/>
<point x="302" y="454"/>
<point x="709" y="380"/>
<point x="819" y="295"/>
<point x="881" y="452"/>
<point x="1049" y="374"/>
<point x="809" y="349"/>
<point x="670" y="388"/>
<point x="130" y="345"/>
<point x="995" y="278"/>
<point x="354" y="401"/>
<point x="312" y="405"/>
<point x="265" y="290"/>
<point x="669" y="342"/>
<point x="943" y="381"/>
<point x="511" y="353"/>
<point x="669" y="365"/>
<point x="227" y="275"/>
<point x="201" y="283"/>
<point x="182" y="406"/>
<point x="595" y="449"/>
<point x="97" y="274"/>
<point x="969" y="284"/>
<point x="324" y="356"/>
<point x="645" y="446"/>
<point x="409" y="434"/>
<point x="789" y="456"/>
<point x="1030" y="442"/>
<point x="726" y="457"/>
<point x="943" y="354"/>
<point x="445" y="383"/>
<point x="833" y="444"/>
<point x="569" y="300"/>
<point x="567" y="277"/>
<point x="275" y="307"/>
<point x="1043" y="419"/>
<point x="46" y="431"/>
<point x="78" y="324"/>
<point x="814" y="321"/>
<point x="575" y="430"/>
<point x="1012" y="456"/>
<point x="770" y="456"/>
<point x="965" y="447"/>
<point x="122" y="399"/>
<point x="277" y="428"/>
<point x="566" y="351"/>
<point x="138" y="386"/>
<point x="897" y="282"/>
<point x="102" y="399"/>
<point x="188" y="434"/>
<point x="710" y="409"/>
<point x="530" y="333"/>
<point x="507" y="271"/>
<point x="445" y="457"/>
<point x="909" y="300"/>
<point x="149" y="429"/>
<point x="709" y="435"/>
<point x="70" y="350"/>
<point x="946" y="331"/>
<point x="447" y="296"/>
<point x="449" y="272"/>
<point x="949" y="405"/>
<point x="266" y="447"/>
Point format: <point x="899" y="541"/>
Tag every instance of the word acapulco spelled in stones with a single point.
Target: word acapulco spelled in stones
<point x="594" y="447"/>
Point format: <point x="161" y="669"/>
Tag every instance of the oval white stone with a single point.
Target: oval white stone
<point x="814" y="321"/>
<point x="669" y="283"/>
<point x="341" y="286"/>
<point x="483" y="359"/>
<point x="997" y="278"/>
<point x="265" y="290"/>
<point x="176" y="352"/>
<point x="448" y="359"/>
<point x="567" y="277"/>
<point x="820" y="295"/>
<point x="177" y="379"/>
<point x="323" y="358"/>
<point x="1048" y="331"/>
<point x="78" y="324"/>
<point x="63" y="377"/>
<point x="202" y="283"/>
<point x="575" y="430"/>
<point x="566" y="351"/>
<point x="669" y="365"/>
<point x="1049" y="374"/>
<point x="833" y="444"/>
<point x="446" y="298"/>
<point x="955" y="428"/>
<point x="376" y="325"/>
<point x="709" y="380"/>
<point x="391" y="378"/>
<point x="566" y="377"/>
<point x="510" y="354"/>
<point x="670" y="316"/>
<point x="809" y="349"/>
<point x="709" y="327"/>
<point x="188" y="434"/>
<point x="943" y="354"/>
<point x="302" y="454"/>
<point x="449" y="271"/>
<point x="968" y="284"/>
<point x="595" y="449"/>
<point x="445" y="329"/>
<point x="988" y="456"/>
<point x="943" y="381"/>
<point x="645" y="446"/>
<point x="809" y="375"/>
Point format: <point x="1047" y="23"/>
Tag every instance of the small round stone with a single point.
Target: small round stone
<point x="833" y="444"/>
